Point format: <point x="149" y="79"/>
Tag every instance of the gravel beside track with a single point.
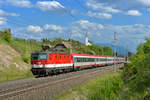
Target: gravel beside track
<point x="45" y="88"/>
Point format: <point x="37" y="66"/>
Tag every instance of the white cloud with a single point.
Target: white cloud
<point x="148" y="9"/>
<point x="117" y="5"/>
<point x="101" y="7"/>
<point x="50" y="6"/>
<point x="86" y="25"/>
<point x="20" y="3"/>
<point x="52" y="28"/>
<point x="3" y="13"/>
<point x="144" y="2"/>
<point x="99" y="15"/>
<point x="34" y="29"/>
<point x="134" y="13"/>
<point x="2" y="20"/>
<point x="79" y="29"/>
<point x="47" y="28"/>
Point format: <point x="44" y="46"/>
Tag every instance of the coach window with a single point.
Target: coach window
<point x="81" y="59"/>
<point x="89" y="60"/>
<point x="76" y="59"/>
<point x="84" y="60"/>
<point x="101" y="59"/>
<point x="93" y="59"/>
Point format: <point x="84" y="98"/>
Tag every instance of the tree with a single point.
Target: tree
<point x="7" y="35"/>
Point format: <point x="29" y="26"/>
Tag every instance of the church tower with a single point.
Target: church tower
<point x="87" y="40"/>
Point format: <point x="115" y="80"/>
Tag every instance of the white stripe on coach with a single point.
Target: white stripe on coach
<point x="52" y="66"/>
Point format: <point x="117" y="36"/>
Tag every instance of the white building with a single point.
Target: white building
<point x="87" y="43"/>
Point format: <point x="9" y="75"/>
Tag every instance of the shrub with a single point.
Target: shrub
<point x="136" y="73"/>
<point x="7" y="35"/>
<point x="25" y="59"/>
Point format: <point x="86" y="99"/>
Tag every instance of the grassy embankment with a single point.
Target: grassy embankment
<point x="15" y="57"/>
<point x="104" y="88"/>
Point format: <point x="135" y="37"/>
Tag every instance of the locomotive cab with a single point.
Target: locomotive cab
<point x="38" y="63"/>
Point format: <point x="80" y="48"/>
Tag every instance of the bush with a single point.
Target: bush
<point x="136" y="73"/>
<point x="7" y="35"/>
<point x="25" y="59"/>
<point x="106" y="88"/>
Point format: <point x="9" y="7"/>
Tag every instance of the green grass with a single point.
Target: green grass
<point x="13" y="73"/>
<point x="24" y="48"/>
<point x="106" y="87"/>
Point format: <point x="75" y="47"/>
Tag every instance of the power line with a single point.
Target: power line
<point x="70" y="44"/>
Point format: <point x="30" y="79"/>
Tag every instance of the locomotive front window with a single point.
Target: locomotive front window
<point x="43" y="56"/>
<point x="37" y="56"/>
<point x="34" y="57"/>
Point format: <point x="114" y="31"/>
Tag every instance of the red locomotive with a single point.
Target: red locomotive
<point x="47" y="63"/>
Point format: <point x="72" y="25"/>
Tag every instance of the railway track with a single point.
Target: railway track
<point x="33" y="85"/>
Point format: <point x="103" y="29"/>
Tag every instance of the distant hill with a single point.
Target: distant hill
<point x="120" y="50"/>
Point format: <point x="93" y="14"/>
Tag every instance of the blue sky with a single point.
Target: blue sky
<point x="36" y="19"/>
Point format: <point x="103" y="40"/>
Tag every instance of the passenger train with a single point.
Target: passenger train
<point x="47" y="63"/>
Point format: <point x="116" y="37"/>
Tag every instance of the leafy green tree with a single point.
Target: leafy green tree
<point x="7" y="35"/>
<point x="137" y="72"/>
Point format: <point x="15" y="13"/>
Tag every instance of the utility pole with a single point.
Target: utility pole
<point x="102" y="49"/>
<point x="115" y="41"/>
<point x="127" y="53"/>
<point x="70" y="44"/>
